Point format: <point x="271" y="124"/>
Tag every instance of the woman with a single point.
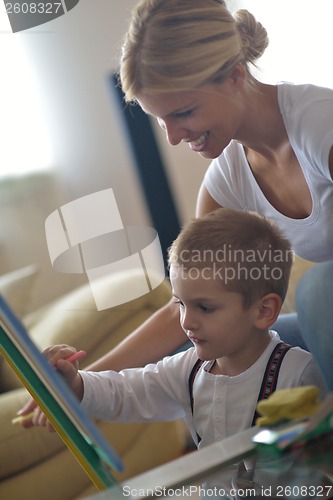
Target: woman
<point x="186" y="62"/>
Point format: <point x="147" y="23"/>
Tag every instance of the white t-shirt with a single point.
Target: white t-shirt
<point x="223" y="405"/>
<point x="307" y="112"/>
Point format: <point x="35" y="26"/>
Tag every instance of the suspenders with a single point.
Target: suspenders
<point x="269" y="381"/>
<point x="271" y="374"/>
<point x="191" y="378"/>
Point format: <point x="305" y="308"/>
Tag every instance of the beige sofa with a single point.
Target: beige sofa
<point x="35" y="464"/>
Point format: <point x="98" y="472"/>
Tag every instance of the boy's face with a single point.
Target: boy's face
<point x="213" y="318"/>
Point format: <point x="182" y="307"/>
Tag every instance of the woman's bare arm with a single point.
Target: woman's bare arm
<point x="205" y="203"/>
<point x="158" y="336"/>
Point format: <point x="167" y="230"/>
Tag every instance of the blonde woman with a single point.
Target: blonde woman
<point x="187" y="63"/>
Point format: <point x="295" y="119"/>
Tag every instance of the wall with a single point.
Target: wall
<point x="300" y="40"/>
<point x="72" y="58"/>
<point x="25" y="203"/>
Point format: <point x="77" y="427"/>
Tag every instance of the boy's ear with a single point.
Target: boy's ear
<point x="269" y="308"/>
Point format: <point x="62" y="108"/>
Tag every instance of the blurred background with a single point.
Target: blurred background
<point x="63" y="134"/>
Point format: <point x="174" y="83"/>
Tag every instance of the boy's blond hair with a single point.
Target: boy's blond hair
<point x="247" y="252"/>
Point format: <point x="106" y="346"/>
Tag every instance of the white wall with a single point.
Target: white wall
<point x="300" y="48"/>
<point x="71" y="59"/>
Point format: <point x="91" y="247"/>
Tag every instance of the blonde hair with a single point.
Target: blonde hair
<point x="174" y="45"/>
<point x="243" y="249"/>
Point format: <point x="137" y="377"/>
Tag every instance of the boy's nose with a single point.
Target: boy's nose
<point x="188" y="321"/>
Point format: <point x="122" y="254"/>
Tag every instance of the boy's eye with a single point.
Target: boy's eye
<point x="179" y="302"/>
<point x="206" y="309"/>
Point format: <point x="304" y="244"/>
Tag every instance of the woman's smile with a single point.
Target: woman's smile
<point x="199" y="144"/>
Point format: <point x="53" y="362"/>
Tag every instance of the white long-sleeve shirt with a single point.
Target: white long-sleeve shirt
<point x="223" y="405"/>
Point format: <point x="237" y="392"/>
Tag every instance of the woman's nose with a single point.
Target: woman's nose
<point x="174" y="134"/>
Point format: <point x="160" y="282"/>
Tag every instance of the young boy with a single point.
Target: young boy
<point x="229" y="273"/>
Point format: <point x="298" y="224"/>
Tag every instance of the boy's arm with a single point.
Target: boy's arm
<point x="154" y="393"/>
<point x="157" y="337"/>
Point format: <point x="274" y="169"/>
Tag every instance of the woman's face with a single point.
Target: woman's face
<point x="207" y="118"/>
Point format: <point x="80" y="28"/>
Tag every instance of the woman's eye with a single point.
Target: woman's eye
<point x="184" y="114"/>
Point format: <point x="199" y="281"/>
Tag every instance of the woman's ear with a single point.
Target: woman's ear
<point x="238" y="75"/>
<point x="269" y="307"/>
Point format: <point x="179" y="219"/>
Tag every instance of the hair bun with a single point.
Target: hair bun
<point x="253" y="34"/>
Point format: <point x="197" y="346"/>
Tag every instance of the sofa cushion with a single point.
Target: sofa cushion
<point x="17" y="288"/>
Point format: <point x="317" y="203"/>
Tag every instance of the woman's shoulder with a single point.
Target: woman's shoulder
<point x="297" y="97"/>
<point x="307" y="113"/>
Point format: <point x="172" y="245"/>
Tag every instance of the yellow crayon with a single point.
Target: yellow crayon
<point x="21" y="418"/>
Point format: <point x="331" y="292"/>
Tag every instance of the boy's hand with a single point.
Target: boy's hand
<point x="57" y="356"/>
<point x="60" y="356"/>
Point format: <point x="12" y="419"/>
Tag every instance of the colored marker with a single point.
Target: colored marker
<point x="77" y="355"/>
